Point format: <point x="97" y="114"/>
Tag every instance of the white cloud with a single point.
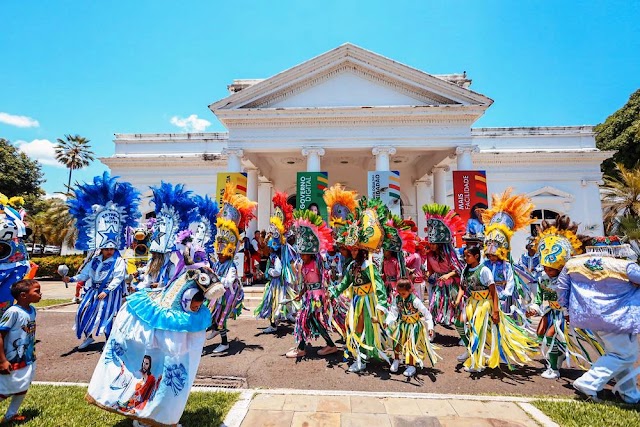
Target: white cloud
<point x="191" y="123"/>
<point x="41" y="150"/>
<point x="19" y="121"/>
<point x="50" y="196"/>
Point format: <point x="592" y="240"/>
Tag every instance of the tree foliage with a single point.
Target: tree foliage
<point x="621" y="132"/>
<point x="21" y="176"/>
<point x="74" y="152"/>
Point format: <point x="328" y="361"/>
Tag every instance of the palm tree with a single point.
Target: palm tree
<point x="74" y="152"/>
<point x="60" y="227"/>
<point x="621" y="198"/>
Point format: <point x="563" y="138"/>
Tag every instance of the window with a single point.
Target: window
<point x="540" y="215"/>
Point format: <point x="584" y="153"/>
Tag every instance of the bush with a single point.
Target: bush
<point x="48" y="266"/>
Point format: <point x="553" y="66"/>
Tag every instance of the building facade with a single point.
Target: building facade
<point x="350" y="111"/>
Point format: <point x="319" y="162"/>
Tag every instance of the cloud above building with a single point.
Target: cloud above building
<point x="41" y="150"/>
<point x="191" y="123"/>
<point x="18" y="121"/>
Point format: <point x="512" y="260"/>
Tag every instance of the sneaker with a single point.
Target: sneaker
<point x="463" y="357"/>
<point x="409" y="372"/>
<point x="551" y="374"/>
<point x="220" y="349"/>
<point x="394" y="366"/>
<point x="473" y="370"/>
<point x="291" y="318"/>
<point x="86" y="343"/>
<point x="270" y="330"/>
<point x="212" y="334"/>
<point x="357" y="366"/>
<point x="585" y="391"/>
<point x="295" y="353"/>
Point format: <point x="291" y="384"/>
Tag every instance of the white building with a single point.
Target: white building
<point x="349" y="111"/>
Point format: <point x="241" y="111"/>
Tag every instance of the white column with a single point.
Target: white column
<point x="234" y="159"/>
<point x="252" y="194"/>
<point x="440" y="184"/>
<point x="423" y="197"/>
<point x="264" y="205"/>
<point x="313" y="155"/>
<point x="464" y="159"/>
<point x="382" y="157"/>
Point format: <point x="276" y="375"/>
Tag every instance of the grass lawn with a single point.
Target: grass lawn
<point x="47" y="405"/>
<point x="50" y="302"/>
<point x="589" y="414"/>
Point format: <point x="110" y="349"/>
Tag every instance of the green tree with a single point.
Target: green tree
<point x="74" y="152"/>
<point x="621" y="132"/>
<point x="21" y="176"/>
<point x="60" y="226"/>
<point x="621" y="198"/>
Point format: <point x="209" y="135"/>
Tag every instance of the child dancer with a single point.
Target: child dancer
<point x="556" y="244"/>
<point x="487" y="327"/>
<point x="443" y="265"/>
<point x="312" y="320"/>
<point x="18" y="361"/>
<point x="411" y="328"/>
<point x="276" y="304"/>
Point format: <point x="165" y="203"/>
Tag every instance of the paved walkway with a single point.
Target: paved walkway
<point x="55" y="289"/>
<point x="293" y="408"/>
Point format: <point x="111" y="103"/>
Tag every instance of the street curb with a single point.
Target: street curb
<point x="239" y="410"/>
<point x="49" y="307"/>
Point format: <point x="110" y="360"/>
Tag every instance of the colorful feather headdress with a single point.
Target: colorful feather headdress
<point x="280" y="221"/>
<point x="206" y="215"/>
<point x="399" y="235"/>
<point x="175" y="210"/>
<point x="363" y="229"/>
<point x="443" y="223"/>
<point x="507" y="215"/>
<point x="312" y="234"/>
<point x="237" y="211"/>
<point x="557" y="242"/>
<point x="103" y="210"/>
<point x="340" y="204"/>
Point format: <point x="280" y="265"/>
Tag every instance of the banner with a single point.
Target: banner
<point x="469" y="188"/>
<point x="238" y="178"/>
<point x="310" y="188"/>
<point x="385" y="185"/>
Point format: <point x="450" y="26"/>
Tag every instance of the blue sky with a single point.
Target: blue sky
<point x="99" y="68"/>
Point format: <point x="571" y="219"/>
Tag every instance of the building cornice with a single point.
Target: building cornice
<point x="529" y="157"/>
<point x="149" y="138"/>
<point x="532" y="131"/>
<point x="197" y="161"/>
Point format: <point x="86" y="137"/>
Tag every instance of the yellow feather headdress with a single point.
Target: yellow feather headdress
<point x="236" y="213"/>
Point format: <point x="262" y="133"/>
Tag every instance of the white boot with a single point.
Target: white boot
<point x="394" y="366"/>
<point x="357" y="366"/>
<point x="551" y="374"/>
<point x="410" y="371"/>
<point x="463" y="357"/>
<point x="86" y="343"/>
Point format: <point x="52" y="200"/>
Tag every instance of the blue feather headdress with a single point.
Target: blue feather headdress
<point x="205" y="233"/>
<point x="103" y="210"/>
<point x="174" y="209"/>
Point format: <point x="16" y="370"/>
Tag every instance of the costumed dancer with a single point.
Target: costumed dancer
<point x="443" y="265"/>
<point x="601" y="289"/>
<point x="365" y="338"/>
<point x="530" y="260"/>
<point x="174" y="209"/>
<point x="312" y="319"/>
<point x="14" y="258"/>
<point x="556" y="243"/>
<point x="415" y="265"/>
<point x="411" y="328"/>
<point x="507" y="215"/>
<point x="102" y="211"/>
<point x="340" y="204"/>
<point x="491" y="336"/>
<point x="237" y="211"/>
<point x="399" y="238"/>
<point x="277" y="300"/>
<point x="152" y="355"/>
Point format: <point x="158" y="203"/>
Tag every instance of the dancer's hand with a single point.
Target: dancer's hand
<point x="66" y="279"/>
<point x="102" y="295"/>
<point x="431" y="333"/>
<point x="5" y="368"/>
<point x="495" y="316"/>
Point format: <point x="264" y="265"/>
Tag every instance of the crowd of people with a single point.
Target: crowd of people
<point x="363" y="274"/>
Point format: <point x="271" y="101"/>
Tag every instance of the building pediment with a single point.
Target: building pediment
<point x="350" y="76"/>
<point x="549" y="192"/>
